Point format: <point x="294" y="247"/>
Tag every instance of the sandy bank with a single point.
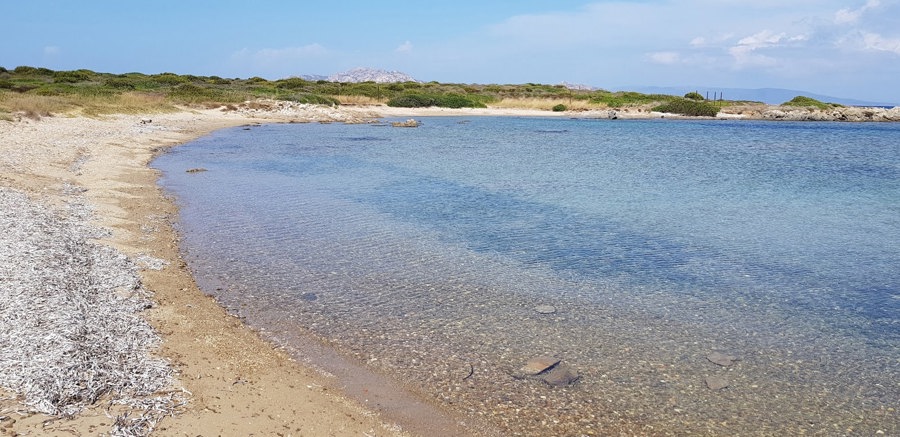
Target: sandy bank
<point x="87" y="180"/>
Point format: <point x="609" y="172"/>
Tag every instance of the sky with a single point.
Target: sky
<point x="841" y="48"/>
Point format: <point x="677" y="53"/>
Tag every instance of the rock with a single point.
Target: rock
<point x="545" y="309"/>
<point x="408" y="123"/>
<point x="560" y="375"/>
<point x="721" y="359"/>
<point x="538" y="365"/>
<point x="195" y="170"/>
<point x="716" y="382"/>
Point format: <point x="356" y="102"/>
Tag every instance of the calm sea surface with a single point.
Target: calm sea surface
<point x="424" y="253"/>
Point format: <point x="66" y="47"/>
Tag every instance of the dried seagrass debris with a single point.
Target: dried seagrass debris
<point x="70" y="332"/>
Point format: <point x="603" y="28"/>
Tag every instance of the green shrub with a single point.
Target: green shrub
<point x="6" y="85"/>
<point x="559" y="108"/>
<point x="3" y="70"/>
<point x="412" y="101"/>
<point x="688" y="107"/>
<point x="216" y="80"/>
<point x="292" y="83"/>
<point x="450" y="100"/>
<point x="190" y="93"/>
<point x="693" y="95"/>
<point x="169" y="79"/>
<point x="25" y="70"/>
<point x="457" y="101"/>
<point x="804" y="101"/>
<point x="256" y="79"/>
<point x="72" y="76"/>
<point x="121" y="83"/>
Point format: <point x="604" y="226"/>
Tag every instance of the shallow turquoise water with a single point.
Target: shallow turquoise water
<point x="423" y="251"/>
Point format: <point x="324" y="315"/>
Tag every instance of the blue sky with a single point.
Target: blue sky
<point x="842" y="48"/>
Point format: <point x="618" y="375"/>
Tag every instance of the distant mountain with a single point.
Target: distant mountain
<point x="313" y="77"/>
<point x="371" y="75"/>
<point x="772" y="96"/>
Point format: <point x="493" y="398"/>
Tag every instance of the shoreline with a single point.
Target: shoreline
<point x="238" y="382"/>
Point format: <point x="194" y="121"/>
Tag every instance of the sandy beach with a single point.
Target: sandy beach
<point x="87" y="179"/>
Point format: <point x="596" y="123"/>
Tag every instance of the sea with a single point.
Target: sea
<point x="686" y="277"/>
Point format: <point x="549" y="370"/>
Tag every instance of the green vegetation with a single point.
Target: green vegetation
<point x="688" y="107"/>
<point x="804" y="101"/>
<point x="43" y="91"/>
<point x="449" y="100"/>
<point x="693" y="95"/>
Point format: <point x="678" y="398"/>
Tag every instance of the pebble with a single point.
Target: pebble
<point x="545" y="309"/>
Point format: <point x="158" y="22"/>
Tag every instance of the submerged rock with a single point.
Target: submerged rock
<point x="716" y="382"/>
<point x="721" y="359"/>
<point x="560" y="375"/>
<point x="538" y="365"/>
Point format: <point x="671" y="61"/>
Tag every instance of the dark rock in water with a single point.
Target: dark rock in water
<point x="560" y="376"/>
<point x="545" y="309"/>
<point x="196" y="170"/>
<point x="537" y="365"/>
<point x="308" y="297"/>
<point x="721" y="359"/>
<point x="716" y="382"/>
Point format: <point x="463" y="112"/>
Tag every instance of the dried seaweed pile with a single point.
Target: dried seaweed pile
<point x="70" y="332"/>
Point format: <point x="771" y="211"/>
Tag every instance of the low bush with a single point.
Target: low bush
<point x="559" y="108"/>
<point x="688" y="107"/>
<point x="292" y="83"/>
<point x="439" y="100"/>
<point x="804" y="101"/>
<point x="195" y="94"/>
<point x="412" y="101"/>
<point x="693" y="95"/>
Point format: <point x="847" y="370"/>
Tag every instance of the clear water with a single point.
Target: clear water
<point x="423" y="253"/>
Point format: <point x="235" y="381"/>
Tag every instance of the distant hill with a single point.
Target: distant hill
<point x="313" y="77"/>
<point x="371" y="75"/>
<point x="772" y="96"/>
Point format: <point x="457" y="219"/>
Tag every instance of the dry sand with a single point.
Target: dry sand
<point x="234" y="382"/>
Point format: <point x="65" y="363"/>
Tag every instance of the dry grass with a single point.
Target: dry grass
<point x="359" y="100"/>
<point x="18" y="105"/>
<point x="545" y="104"/>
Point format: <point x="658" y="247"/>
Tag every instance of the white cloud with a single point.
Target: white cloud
<point x="51" y="51"/>
<point x="406" y="47"/>
<point x="665" y="58"/>
<point x="873" y="41"/>
<point x="745" y="52"/>
<point x="851" y="16"/>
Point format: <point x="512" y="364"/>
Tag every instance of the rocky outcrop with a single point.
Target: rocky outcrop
<point x="834" y="114"/>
